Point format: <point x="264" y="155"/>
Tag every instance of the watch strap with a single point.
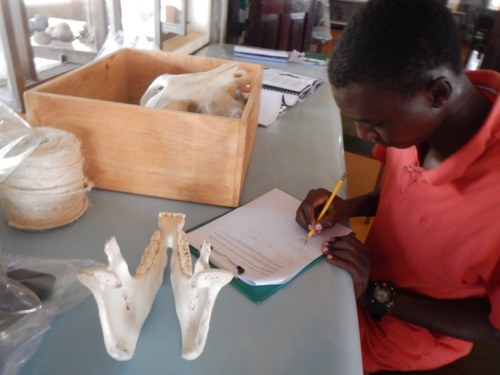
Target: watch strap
<point x="378" y="307"/>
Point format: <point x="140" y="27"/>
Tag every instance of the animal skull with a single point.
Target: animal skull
<point x="123" y="301"/>
<point x="194" y="293"/>
<point x="215" y="92"/>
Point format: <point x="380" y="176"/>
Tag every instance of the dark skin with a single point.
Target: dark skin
<point x="439" y="120"/>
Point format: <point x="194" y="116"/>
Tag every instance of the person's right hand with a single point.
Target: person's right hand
<point x="312" y="205"/>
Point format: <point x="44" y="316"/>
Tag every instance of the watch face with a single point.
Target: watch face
<point x="381" y="295"/>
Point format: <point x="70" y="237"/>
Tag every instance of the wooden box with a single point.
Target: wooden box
<point x="133" y="149"/>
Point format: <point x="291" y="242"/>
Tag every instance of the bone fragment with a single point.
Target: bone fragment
<point x="123" y="301"/>
<point x="194" y="292"/>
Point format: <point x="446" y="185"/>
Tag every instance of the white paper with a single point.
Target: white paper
<point x="292" y="82"/>
<point x="280" y="90"/>
<point x="264" y="239"/>
<point x="290" y="100"/>
<point x="270" y="106"/>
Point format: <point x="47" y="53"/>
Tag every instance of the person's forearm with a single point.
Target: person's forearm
<point x="364" y="205"/>
<point x="466" y="319"/>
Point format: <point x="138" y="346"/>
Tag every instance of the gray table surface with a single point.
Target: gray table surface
<point x="307" y="327"/>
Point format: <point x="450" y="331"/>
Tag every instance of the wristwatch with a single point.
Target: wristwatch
<point x="381" y="297"/>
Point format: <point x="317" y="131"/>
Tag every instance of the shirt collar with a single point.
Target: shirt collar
<point x="488" y="82"/>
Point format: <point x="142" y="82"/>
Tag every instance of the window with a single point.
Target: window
<point x="44" y="38"/>
<point x="173" y="16"/>
<point x="8" y="93"/>
<point x="40" y="39"/>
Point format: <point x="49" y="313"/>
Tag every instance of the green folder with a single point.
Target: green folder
<point x="258" y="293"/>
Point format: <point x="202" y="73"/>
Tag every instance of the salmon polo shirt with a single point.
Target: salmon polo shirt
<point x="436" y="233"/>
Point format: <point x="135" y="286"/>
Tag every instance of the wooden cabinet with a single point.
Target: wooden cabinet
<point x="281" y="24"/>
<point x="492" y="51"/>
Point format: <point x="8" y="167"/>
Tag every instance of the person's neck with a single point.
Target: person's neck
<point x="466" y="115"/>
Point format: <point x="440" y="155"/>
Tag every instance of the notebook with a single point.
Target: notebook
<point x="261" y="54"/>
<point x="280" y="90"/>
<point x="294" y="84"/>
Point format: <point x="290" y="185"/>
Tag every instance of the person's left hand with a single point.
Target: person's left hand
<point x="351" y="255"/>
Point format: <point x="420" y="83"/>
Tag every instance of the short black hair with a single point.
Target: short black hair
<point x="393" y="43"/>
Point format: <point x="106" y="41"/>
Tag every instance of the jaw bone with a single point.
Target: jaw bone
<point x="194" y="292"/>
<point x="123" y="301"/>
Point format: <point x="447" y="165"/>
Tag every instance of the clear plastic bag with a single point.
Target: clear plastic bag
<point x="21" y="334"/>
<point x="17" y="140"/>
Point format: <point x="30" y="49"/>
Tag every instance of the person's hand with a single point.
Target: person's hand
<point x="312" y="205"/>
<point x="351" y="255"/>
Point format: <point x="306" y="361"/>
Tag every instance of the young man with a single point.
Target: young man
<point x="427" y="278"/>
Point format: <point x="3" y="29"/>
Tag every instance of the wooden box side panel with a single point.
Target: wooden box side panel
<point x="159" y="62"/>
<point x="151" y="152"/>
<point x="104" y="79"/>
<point x="248" y="127"/>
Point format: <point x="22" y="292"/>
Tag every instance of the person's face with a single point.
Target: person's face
<point x="386" y="117"/>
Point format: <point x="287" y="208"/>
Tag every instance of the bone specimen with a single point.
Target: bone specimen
<point x="123" y="301"/>
<point x="61" y="32"/>
<point x="215" y="92"/>
<point x="194" y="292"/>
<point x="41" y="37"/>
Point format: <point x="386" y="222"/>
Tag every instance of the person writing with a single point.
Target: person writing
<point x="427" y="278"/>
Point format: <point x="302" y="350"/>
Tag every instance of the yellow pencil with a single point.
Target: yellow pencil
<point x="327" y="204"/>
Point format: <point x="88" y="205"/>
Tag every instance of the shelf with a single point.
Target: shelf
<point x="187" y="44"/>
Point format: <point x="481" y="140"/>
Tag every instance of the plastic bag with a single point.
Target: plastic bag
<point x="17" y="140"/>
<point x="20" y="335"/>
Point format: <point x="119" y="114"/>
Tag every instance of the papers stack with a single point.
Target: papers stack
<point x="309" y="58"/>
<point x="281" y="90"/>
<point x="262" y="239"/>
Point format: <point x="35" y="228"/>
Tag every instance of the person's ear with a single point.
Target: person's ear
<point x="439" y="92"/>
